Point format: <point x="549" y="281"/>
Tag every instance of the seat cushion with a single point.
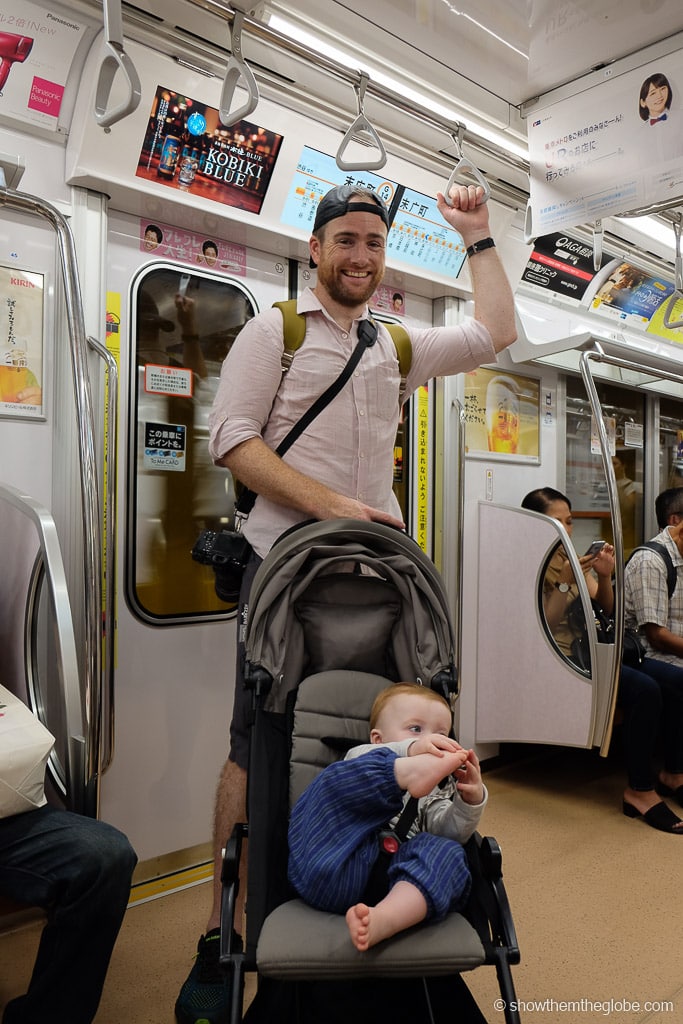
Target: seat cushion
<point x="298" y="942"/>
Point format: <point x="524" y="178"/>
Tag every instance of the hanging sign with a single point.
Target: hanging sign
<point x="614" y="148"/>
<point x="38" y="45"/>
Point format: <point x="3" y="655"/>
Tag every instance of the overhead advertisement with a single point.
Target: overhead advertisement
<point x="614" y="148"/>
<point x="419" y="235"/>
<point x="561" y="264"/>
<point x="37" y="47"/>
<point x="186" y="147"/>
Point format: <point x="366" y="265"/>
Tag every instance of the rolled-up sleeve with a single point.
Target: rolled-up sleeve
<point x="249" y="380"/>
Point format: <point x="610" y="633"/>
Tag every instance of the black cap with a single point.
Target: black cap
<point x="342" y="198"/>
<point x="336" y="202"/>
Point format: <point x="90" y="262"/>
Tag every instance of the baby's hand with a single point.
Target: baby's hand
<point x="433" y="743"/>
<point x="468" y="780"/>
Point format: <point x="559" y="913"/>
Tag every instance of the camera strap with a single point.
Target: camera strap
<point x="367" y="336"/>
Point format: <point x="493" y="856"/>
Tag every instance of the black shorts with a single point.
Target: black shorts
<point x="239" y="728"/>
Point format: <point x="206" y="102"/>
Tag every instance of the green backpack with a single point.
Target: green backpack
<point x="295" y="330"/>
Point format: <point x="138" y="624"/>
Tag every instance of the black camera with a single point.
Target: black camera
<point x="227" y="553"/>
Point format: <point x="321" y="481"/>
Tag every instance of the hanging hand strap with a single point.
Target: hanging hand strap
<point x="367" y="335"/>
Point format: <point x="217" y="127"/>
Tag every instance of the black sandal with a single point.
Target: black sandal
<point x="664" y="790"/>
<point x="660" y="817"/>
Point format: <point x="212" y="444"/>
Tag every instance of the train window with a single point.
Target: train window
<point x="670" y="443"/>
<point x="585" y="481"/>
<point x="175" y="490"/>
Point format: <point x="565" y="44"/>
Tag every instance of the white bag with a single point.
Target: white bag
<point x="25" y="745"/>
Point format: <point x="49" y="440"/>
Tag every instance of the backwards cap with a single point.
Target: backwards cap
<point x="341" y="199"/>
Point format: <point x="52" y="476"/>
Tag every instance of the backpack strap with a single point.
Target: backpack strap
<point x="294" y="332"/>
<point x="671" y="574"/>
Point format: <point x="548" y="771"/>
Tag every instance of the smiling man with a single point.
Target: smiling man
<point x="342" y="465"/>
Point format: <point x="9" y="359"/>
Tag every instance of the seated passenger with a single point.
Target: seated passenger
<point x="650" y="695"/>
<point x="79" y="871"/>
<point x="335" y="823"/>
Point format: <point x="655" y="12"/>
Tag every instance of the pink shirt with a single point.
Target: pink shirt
<point x="349" y="447"/>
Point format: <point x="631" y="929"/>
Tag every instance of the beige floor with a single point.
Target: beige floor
<point x="595" y="897"/>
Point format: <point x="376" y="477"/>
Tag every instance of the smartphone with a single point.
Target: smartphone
<point x="595" y="547"/>
<point x="182" y="287"/>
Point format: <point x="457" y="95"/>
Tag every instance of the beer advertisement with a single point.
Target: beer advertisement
<point x="186" y="147"/>
<point x="502" y="416"/>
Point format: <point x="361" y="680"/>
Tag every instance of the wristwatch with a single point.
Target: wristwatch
<point x="563" y="587"/>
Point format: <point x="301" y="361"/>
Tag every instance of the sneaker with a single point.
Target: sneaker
<point x="205" y="996"/>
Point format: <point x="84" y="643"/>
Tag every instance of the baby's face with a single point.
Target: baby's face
<point x="408" y="716"/>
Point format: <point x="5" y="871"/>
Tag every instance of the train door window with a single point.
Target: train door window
<point x="670" y="443"/>
<point x="585" y="479"/>
<point x="175" y="490"/>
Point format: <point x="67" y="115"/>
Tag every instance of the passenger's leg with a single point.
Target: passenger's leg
<point x="79" y="870"/>
<point x="670" y="679"/>
<point x="641" y="700"/>
<point x="205" y="995"/>
<point x="428" y="876"/>
<point x="333" y="829"/>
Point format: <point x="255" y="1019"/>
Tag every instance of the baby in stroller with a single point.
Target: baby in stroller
<point x="339" y="823"/>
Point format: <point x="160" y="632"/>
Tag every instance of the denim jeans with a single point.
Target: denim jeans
<point x="79" y="871"/>
<point x="652" y="699"/>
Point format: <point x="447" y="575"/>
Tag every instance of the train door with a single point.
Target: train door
<point x="530" y="687"/>
<point x="175" y="646"/>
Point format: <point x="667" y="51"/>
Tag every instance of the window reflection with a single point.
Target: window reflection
<point x="562" y="613"/>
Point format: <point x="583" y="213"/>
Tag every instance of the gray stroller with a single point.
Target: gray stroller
<point x="338" y="611"/>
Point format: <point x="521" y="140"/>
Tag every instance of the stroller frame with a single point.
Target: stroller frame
<point x="308" y="560"/>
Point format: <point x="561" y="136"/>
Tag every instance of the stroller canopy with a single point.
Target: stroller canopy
<point x="348" y="594"/>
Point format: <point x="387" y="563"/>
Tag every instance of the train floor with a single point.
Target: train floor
<point x="594" y="896"/>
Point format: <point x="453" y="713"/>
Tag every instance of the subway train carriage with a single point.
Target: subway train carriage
<point x="161" y="165"/>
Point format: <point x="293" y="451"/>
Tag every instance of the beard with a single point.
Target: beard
<point x="345" y="294"/>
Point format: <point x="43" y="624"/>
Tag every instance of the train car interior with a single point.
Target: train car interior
<point x="160" y="167"/>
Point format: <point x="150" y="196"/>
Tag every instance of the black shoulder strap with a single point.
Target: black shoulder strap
<point x="671" y="574"/>
<point x="367" y="335"/>
<point x="406" y="819"/>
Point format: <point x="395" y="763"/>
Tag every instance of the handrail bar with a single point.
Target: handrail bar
<point x="677" y="293"/>
<point x="110" y="459"/>
<point x="92" y="560"/>
<point x="75" y="712"/>
<point x="115" y="58"/>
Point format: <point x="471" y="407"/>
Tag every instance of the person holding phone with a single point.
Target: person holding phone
<point x="647" y="695"/>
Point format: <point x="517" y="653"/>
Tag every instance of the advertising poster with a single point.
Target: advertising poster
<point x="560" y="264"/>
<point x="164" y="240"/>
<point x="502" y="416"/>
<point x="614" y="148"/>
<point x="37" y="49"/>
<point x="187" y="148"/>
<point x="626" y="293"/>
<point x="419" y="235"/>
<point x="21" y="343"/>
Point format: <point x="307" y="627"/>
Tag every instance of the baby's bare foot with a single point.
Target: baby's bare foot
<point x="358" y="921"/>
<point x="421" y="773"/>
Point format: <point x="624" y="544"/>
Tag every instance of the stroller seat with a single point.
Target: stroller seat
<point x="339" y="611"/>
<point x="323" y="947"/>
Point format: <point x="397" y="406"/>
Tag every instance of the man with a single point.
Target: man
<point x="648" y="606"/>
<point x="79" y="871"/>
<point x="342" y="467"/>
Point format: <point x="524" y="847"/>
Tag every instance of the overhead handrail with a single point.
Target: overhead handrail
<point x="116" y="58"/>
<point x="90" y="504"/>
<point x="237" y="70"/>
<point x="598" y="236"/>
<point x="463" y="166"/>
<point x="361" y="131"/>
<point x="677" y="294"/>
